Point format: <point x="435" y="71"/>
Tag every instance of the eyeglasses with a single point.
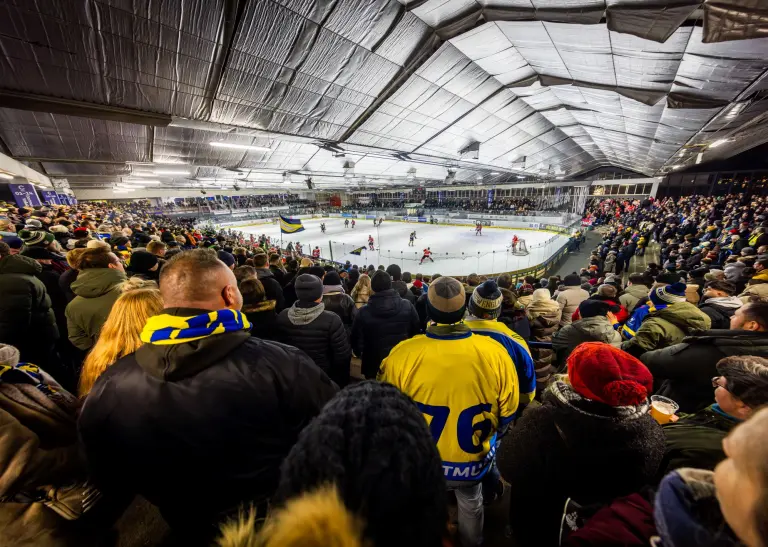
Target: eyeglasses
<point x="716" y="384"/>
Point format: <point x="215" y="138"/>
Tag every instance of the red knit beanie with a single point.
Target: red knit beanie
<point x="603" y="373"/>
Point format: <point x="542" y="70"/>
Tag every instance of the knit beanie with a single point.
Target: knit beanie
<point x="317" y="271"/>
<point x="572" y="280"/>
<point x="142" y="261"/>
<point x="603" y="373"/>
<point x="594" y="308"/>
<point x="380" y="281"/>
<point x="373" y="444"/>
<point x="331" y="279"/>
<point x="446" y="301"/>
<point x="36" y="237"/>
<point x="668" y="294"/>
<point x="486" y="300"/>
<point x="308" y="288"/>
<point x="9" y="355"/>
<point x="394" y="271"/>
<point x="227" y="258"/>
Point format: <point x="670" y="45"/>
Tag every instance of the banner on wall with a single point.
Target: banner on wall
<point x="63" y="199"/>
<point x="50" y="197"/>
<point x="25" y="195"/>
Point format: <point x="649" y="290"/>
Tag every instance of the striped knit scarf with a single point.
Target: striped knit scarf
<point x="166" y="329"/>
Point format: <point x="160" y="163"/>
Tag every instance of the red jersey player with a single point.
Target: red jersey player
<point x="427" y="254"/>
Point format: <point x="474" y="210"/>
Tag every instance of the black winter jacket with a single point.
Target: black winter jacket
<point x="580" y="449"/>
<point x="272" y="288"/>
<point x="401" y="288"/>
<point x="27" y="320"/>
<point x="684" y="372"/>
<point x="217" y="417"/>
<point x="321" y="335"/>
<point x="342" y="305"/>
<point x="385" y="321"/>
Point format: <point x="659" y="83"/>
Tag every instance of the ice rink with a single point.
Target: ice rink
<point x="456" y="250"/>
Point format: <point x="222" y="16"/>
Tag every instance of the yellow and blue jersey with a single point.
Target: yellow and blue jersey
<point x="467" y="388"/>
<point x="516" y="348"/>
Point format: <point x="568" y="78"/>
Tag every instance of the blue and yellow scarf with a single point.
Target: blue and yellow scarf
<point x="166" y="329"/>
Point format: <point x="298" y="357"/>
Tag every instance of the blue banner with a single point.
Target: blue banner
<point x="25" y="195"/>
<point x="50" y="197"/>
<point x="63" y="199"/>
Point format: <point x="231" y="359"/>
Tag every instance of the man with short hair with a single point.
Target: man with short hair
<point x="400" y="286"/>
<point x="96" y="289"/>
<point x="157" y="248"/>
<point x="682" y="372"/>
<point x="276" y="267"/>
<point x="222" y="408"/>
<point x="272" y="287"/>
<point x="719" y="303"/>
<point x="467" y="388"/>
<point x="696" y="440"/>
<point x="596" y="324"/>
<point x="636" y="292"/>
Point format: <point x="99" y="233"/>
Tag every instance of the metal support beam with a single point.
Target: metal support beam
<point x="55" y="105"/>
<point x="68" y="160"/>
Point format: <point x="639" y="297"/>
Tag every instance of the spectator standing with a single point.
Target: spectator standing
<point x="272" y="287"/>
<point x="435" y="370"/>
<point x="144" y="265"/>
<point x="636" y="293"/>
<point x="596" y="325"/>
<point x="260" y="312"/>
<point x="96" y="289"/>
<point x="668" y="325"/>
<point x="544" y="316"/>
<point x="319" y="333"/>
<point x="719" y="303"/>
<point x="399" y="285"/>
<point x="205" y="386"/>
<point x="361" y="292"/>
<point x="570" y="297"/>
<point x="685" y="370"/>
<point x="598" y="423"/>
<point x="276" y="267"/>
<point x="383" y="323"/>
<point x="337" y="301"/>
<point x="513" y="314"/>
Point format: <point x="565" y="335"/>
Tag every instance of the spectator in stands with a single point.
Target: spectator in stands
<point x="684" y="371"/>
<point x="512" y="314"/>
<point x="598" y="423"/>
<point x="672" y="320"/>
<point x="398" y="284"/>
<point x="361" y="292"/>
<point x="435" y="371"/>
<point x="383" y="323"/>
<point x="272" y="287"/>
<point x="366" y="462"/>
<point x="695" y="440"/>
<point x="719" y="303"/>
<point x="337" y="301"/>
<point x="636" y="293"/>
<point x="570" y="298"/>
<point x="596" y="325"/>
<point x="204" y="386"/>
<point x="97" y="287"/>
<point x="277" y="269"/>
<point x="157" y="248"/>
<point x="258" y="309"/>
<point x="27" y="319"/>
<point x="144" y="265"/>
<point x="120" y="334"/>
<point x="319" y="333"/>
<point x="607" y="293"/>
<point x="525" y="294"/>
<point x="544" y="316"/>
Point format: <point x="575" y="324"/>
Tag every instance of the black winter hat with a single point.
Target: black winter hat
<point x="572" y="280"/>
<point x="486" y="300"/>
<point x="373" y="444"/>
<point x="308" y="288"/>
<point x="332" y="278"/>
<point x="317" y="271"/>
<point x="380" y="281"/>
<point x="142" y="261"/>
<point x="593" y="308"/>
<point x="395" y="271"/>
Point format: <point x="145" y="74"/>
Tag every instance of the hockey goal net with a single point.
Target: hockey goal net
<point x="521" y="249"/>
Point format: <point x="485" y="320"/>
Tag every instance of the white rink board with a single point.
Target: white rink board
<point x="391" y="240"/>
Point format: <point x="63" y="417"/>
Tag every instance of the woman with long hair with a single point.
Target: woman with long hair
<point x="362" y="291"/>
<point x="120" y="334"/>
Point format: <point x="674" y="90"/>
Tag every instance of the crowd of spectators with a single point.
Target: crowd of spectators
<point x="140" y="356"/>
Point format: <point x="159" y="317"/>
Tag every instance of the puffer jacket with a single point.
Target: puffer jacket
<point x="544" y="317"/>
<point x="758" y="289"/>
<point x="609" y="265"/>
<point x="720" y="309"/>
<point x="272" y="288"/>
<point x="667" y="327"/>
<point x="633" y="296"/>
<point x="569" y="299"/>
<point x="96" y="291"/>
<point x="380" y="325"/>
<point x="27" y="320"/>
<point x="225" y="409"/>
<point x="617" y="450"/>
<point x="342" y="305"/>
<point x="401" y="288"/>
<point x="320" y="334"/>
<point x="591" y="329"/>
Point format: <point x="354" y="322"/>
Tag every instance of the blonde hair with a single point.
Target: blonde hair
<point x="73" y="258"/>
<point x="363" y="283"/>
<point x="120" y="334"/>
<point x="314" y="519"/>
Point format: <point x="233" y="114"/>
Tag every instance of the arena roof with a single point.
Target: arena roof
<point x="377" y="93"/>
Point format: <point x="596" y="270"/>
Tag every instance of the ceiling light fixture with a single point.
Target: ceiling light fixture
<point x="239" y="146"/>
<point x="675" y="166"/>
<point x="718" y="143"/>
<point x="141" y="181"/>
<point x="286" y="178"/>
<point x="495" y="173"/>
<point x="164" y="173"/>
<point x="699" y="157"/>
<point x="7" y="176"/>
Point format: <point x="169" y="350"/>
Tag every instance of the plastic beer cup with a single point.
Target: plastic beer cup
<point x="662" y="408"/>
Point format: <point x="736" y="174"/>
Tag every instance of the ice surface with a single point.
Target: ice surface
<point x="485" y="254"/>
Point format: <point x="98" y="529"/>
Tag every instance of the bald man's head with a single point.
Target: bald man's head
<point x="198" y="279"/>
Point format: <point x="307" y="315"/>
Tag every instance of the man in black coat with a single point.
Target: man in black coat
<point x="719" y="303"/>
<point x="381" y="324"/>
<point x="272" y="287"/>
<point x="199" y="419"/>
<point x="400" y="286"/>
<point x="319" y="333"/>
<point x="684" y="372"/>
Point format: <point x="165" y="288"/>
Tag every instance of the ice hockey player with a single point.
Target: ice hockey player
<point x="478" y="229"/>
<point x="370" y="242"/>
<point x="412" y="237"/>
<point x="316" y="252"/>
<point x="427" y="254"/>
<point x="353" y="222"/>
<point x="322" y="227"/>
